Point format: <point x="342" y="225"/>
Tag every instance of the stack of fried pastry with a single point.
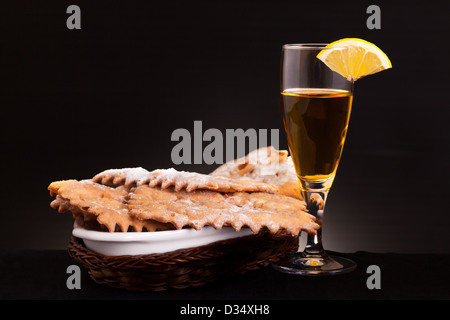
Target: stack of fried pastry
<point x="259" y="191"/>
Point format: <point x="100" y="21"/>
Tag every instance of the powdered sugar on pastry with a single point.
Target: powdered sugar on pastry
<point x="191" y="181"/>
<point x="179" y="179"/>
<point x="267" y="165"/>
<point x="125" y="176"/>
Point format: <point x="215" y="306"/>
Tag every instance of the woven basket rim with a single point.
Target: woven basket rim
<point x="264" y="234"/>
<point x="184" y="267"/>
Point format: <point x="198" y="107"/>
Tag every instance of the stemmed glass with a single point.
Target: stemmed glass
<point x="316" y="105"/>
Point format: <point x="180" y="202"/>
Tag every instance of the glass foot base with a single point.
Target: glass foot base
<point x="314" y="265"/>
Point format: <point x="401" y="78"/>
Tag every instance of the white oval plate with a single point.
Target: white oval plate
<point x="136" y="243"/>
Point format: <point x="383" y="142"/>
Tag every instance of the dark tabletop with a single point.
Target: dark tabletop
<point x="36" y="274"/>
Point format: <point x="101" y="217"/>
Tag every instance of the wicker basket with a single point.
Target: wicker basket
<point x="185" y="267"/>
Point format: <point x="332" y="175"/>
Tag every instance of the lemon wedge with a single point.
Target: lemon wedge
<point x="358" y="59"/>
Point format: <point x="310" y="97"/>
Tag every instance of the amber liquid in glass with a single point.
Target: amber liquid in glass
<point x="316" y="122"/>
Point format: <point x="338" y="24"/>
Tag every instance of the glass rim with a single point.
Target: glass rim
<point x="317" y="46"/>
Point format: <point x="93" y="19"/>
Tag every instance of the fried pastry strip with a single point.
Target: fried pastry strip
<point x="180" y="180"/>
<point x="199" y="208"/>
<point x="86" y="198"/>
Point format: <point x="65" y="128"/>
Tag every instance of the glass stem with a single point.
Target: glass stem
<point x="315" y="203"/>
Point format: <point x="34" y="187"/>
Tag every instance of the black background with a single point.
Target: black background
<point x="77" y="102"/>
